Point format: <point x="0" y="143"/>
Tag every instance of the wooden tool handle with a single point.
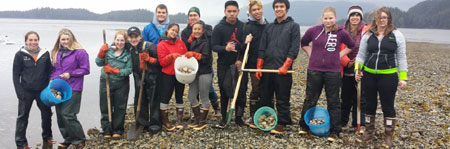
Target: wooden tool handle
<point x="266" y="70"/>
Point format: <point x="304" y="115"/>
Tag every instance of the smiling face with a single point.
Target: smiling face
<point x="32" y="42"/>
<point x="161" y="14"/>
<point x="134" y="39"/>
<point x="280" y="10"/>
<point x="256" y="11"/>
<point x="172" y="32"/>
<point x="193" y="17"/>
<point x="355" y="19"/>
<point x="119" y="41"/>
<point x="231" y="12"/>
<point x="64" y="41"/>
<point x="197" y="29"/>
<point x="328" y="19"/>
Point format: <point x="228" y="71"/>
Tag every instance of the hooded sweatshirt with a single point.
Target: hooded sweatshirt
<point x="168" y="46"/>
<point x="153" y="31"/>
<point x="256" y="29"/>
<point x="224" y="33"/>
<point x="76" y="63"/>
<point x="188" y="31"/>
<point x="325" y="47"/>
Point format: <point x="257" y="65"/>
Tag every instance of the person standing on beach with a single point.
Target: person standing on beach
<point x="144" y="57"/>
<point x="119" y="67"/>
<point x="153" y="31"/>
<point x="255" y="26"/>
<point x="31" y="73"/>
<point x="357" y="28"/>
<point x="324" y="69"/>
<point x="187" y="37"/>
<point x="71" y="63"/>
<point x="279" y="46"/>
<point x="226" y="41"/>
<point x="382" y="57"/>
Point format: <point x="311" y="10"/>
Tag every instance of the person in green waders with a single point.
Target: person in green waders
<point x="119" y="67"/>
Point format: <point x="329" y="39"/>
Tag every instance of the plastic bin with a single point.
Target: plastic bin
<point x="263" y="111"/>
<point x="320" y="113"/>
<point x="60" y="85"/>
<point x="182" y="61"/>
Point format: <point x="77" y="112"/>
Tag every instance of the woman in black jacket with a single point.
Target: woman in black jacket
<point x="31" y="74"/>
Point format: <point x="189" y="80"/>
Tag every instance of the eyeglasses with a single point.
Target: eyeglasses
<point x="383" y="18"/>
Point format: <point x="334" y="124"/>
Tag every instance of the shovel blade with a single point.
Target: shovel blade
<point x="230" y="115"/>
<point x="135" y="131"/>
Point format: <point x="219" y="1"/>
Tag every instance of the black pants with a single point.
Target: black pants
<point x="24" y="112"/>
<point x="168" y="84"/>
<point x="118" y="97"/>
<point x="316" y="80"/>
<point x="280" y="85"/>
<point x="224" y="98"/>
<point x="149" y="101"/>
<point x="349" y="101"/>
<point x="386" y="86"/>
<point x="68" y="123"/>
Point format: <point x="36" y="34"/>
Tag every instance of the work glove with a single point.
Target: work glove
<point x="172" y="56"/>
<point x="196" y="55"/>
<point x="111" y="70"/>
<point x="259" y="65"/>
<point x="145" y="57"/>
<point x="101" y="54"/>
<point x="191" y="38"/>
<point x="283" y="69"/>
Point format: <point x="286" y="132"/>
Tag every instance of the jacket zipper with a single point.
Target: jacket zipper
<point x="378" y="56"/>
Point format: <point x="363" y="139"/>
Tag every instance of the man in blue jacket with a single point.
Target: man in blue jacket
<point x="153" y="31"/>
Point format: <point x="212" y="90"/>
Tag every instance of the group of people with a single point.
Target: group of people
<point x="334" y="53"/>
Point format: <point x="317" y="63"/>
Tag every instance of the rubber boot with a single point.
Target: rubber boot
<point x="253" y="108"/>
<point x="369" y="134"/>
<point x="216" y="108"/>
<point x="389" y="128"/>
<point x="165" y="121"/>
<point x="179" y="122"/>
<point x="202" y="119"/>
<point x="196" y="111"/>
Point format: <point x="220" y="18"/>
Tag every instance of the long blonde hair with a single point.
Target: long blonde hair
<point x="374" y="27"/>
<point x="73" y="43"/>
<point x="330" y="9"/>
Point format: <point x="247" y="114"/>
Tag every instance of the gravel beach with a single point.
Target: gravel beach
<point x="423" y="113"/>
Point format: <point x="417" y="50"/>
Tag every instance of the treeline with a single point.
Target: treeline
<point x="427" y="14"/>
<point x="137" y="15"/>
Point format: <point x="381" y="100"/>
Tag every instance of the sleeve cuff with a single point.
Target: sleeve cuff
<point x="358" y="64"/>
<point x="403" y="75"/>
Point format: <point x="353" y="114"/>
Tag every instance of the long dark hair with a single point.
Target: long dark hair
<point x="170" y="26"/>
<point x="353" y="32"/>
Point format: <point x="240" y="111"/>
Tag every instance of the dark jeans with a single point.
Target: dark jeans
<point x="386" y="86"/>
<point x="316" y="80"/>
<point x="212" y="93"/>
<point x="254" y="94"/>
<point x="224" y="98"/>
<point x="280" y="85"/>
<point x="349" y="101"/>
<point x="149" y="101"/>
<point x="24" y="112"/>
<point x="118" y="97"/>
<point x="168" y="84"/>
<point x="69" y="126"/>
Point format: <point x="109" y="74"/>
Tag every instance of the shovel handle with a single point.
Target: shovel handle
<point x="108" y="94"/>
<point x="266" y="70"/>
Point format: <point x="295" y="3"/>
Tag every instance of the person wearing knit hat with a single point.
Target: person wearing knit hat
<point x="357" y="28"/>
<point x="194" y="9"/>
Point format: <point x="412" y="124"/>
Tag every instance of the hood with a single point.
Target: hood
<point x="252" y="19"/>
<point x="288" y="19"/>
<point x="224" y="21"/>
<point x="41" y="51"/>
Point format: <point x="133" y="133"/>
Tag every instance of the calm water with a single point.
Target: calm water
<point x="89" y="34"/>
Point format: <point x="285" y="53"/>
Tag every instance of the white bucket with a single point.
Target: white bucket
<point x="181" y="62"/>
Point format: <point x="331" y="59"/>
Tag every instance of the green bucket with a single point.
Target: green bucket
<point x="263" y="111"/>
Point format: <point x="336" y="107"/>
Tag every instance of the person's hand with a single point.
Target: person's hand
<point x="101" y="54"/>
<point x="111" y="70"/>
<point x="402" y="84"/>
<point x="196" y="55"/>
<point x="351" y="63"/>
<point x="248" y="39"/>
<point x="191" y="38"/>
<point x="358" y="76"/>
<point x="259" y="65"/>
<point x="65" y="76"/>
<point x="230" y="47"/>
<point x="287" y="63"/>
<point x="238" y="65"/>
<point x="172" y="56"/>
<point x="145" y="57"/>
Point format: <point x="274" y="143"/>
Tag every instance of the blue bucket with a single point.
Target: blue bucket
<point x="56" y="84"/>
<point x="263" y="111"/>
<point x="320" y="113"/>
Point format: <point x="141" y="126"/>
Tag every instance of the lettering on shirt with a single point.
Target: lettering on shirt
<point x="331" y="42"/>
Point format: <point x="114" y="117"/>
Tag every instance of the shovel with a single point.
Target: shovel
<point x="108" y="94"/>
<point x="238" y="84"/>
<point x="136" y="129"/>
<point x="358" y="102"/>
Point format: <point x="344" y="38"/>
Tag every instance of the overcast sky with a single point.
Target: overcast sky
<point x="209" y="7"/>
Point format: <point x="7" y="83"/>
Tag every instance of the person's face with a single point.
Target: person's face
<point x="256" y="12"/>
<point x="134" y="39"/>
<point x="64" y="41"/>
<point x="32" y="42"/>
<point x="328" y="19"/>
<point x="161" y="14"/>
<point x="280" y="10"/>
<point x="383" y="20"/>
<point x="172" y="32"/>
<point x="193" y="17"/>
<point x="231" y="12"/>
<point x="119" y="41"/>
<point x="197" y="29"/>
<point x="355" y="19"/>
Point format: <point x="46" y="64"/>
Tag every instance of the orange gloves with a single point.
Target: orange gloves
<point x="111" y="70"/>
<point x="259" y="65"/>
<point x="144" y="57"/>
<point x="172" y="56"/>
<point x="283" y="69"/>
<point x="191" y="38"/>
<point x="196" y="55"/>
<point x="103" y="50"/>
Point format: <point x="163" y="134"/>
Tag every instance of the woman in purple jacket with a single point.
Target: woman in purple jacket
<point x="324" y="69"/>
<point x="71" y="63"/>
